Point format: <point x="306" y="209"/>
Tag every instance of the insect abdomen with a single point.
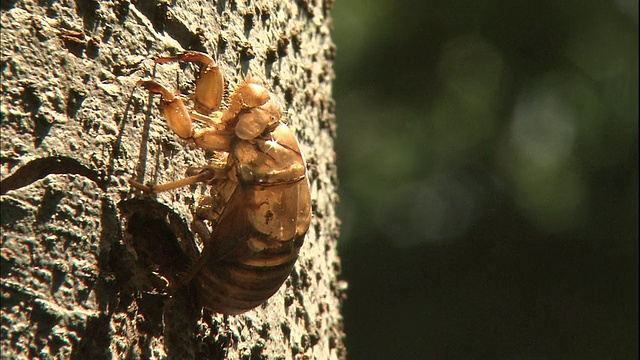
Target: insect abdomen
<point x="256" y="268"/>
<point x="235" y="287"/>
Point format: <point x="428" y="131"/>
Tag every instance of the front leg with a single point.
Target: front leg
<point x="214" y="138"/>
<point x="210" y="83"/>
<point x="175" y="111"/>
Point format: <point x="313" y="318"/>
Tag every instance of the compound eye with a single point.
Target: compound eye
<point x="252" y="123"/>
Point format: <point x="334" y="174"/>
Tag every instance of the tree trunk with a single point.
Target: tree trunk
<point x="86" y="260"/>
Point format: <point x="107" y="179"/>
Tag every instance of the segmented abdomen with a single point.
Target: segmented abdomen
<point x="276" y="222"/>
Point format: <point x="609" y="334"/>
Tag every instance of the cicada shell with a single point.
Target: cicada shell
<point x="254" y="222"/>
<point x="256" y="240"/>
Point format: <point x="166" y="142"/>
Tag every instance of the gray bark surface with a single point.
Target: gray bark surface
<point x="85" y="260"/>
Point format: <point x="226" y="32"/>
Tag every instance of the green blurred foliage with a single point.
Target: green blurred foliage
<point x="498" y="136"/>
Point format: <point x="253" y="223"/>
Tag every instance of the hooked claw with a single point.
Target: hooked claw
<point x="157" y="88"/>
<point x="210" y="84"/>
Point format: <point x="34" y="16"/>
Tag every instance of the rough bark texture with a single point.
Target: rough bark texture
<point x="84" y="261"/>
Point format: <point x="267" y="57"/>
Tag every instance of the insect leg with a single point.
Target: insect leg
<point x="210" y="84"/>
<point x="200" y="228"/>
<point x="211" y="120"/>
<point x="204" y="176"/>
<point x="175" y="111"/>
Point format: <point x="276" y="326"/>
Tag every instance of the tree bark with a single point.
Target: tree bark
<point x="85" y="260"/>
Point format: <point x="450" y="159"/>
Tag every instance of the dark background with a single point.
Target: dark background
<point x="488" y="161"/>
